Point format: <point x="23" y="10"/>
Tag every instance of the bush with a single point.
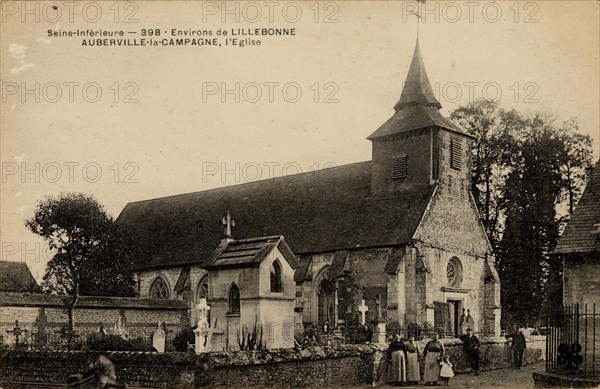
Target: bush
<point x="99" y="342"/>
<point x="182" y="338"/>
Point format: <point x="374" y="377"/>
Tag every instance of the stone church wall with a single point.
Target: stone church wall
<point x="171" y="275"/>
<point x="451" y="227"/>
<point x="146" y="279"/>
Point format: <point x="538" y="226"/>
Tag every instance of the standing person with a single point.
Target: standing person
<point x="518" y="346"/>
<point x="413" y="355"/>
<point x="397" y="352"/>
<point x="446" y="371"/>
<point x="471" y="348"/>
<point x="434" y="349"/>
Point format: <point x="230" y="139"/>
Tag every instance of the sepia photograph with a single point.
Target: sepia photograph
<point x="303" y="193"/>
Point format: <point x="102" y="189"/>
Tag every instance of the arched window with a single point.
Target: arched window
<point x="159" y="289"/>
<point x="276" y="285"/>
<point x="234" y="299"/>
<point x="202" y="290"/>
<point x="326" y="297"/>
<point x="454" y="272"/>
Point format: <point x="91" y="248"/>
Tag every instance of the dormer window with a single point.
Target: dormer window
<point x="455" y="154"/>
<point x="400" y="166"/>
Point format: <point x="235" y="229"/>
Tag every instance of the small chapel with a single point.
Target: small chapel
<point x="395" y="240"/>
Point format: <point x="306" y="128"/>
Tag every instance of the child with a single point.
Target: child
<point x="446" y="371"/>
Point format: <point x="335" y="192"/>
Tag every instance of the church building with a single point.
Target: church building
<point x="395" y="239"/>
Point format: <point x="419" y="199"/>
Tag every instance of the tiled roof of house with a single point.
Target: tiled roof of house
<point x="582" y="233"/>
<point x="320" y="211"/>
<point x="249" y="252"/>
<point x="52" y="300"/>
<point x="16" y="277"/>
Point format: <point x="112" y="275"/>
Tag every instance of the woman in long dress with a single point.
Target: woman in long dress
<point x="413" y="354"/>
<point x="434" y="349"/>
<point x="396" y="349"/>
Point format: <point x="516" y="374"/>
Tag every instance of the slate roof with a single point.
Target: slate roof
<point x="582" y="233"/>
<point x="417" y="89"/>
<point x="319" y="211"/>
<point x="417" y="107"/>
<point x="251" y="252"/>
<point x="16" y="277"/>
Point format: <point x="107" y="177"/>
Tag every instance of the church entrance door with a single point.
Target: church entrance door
<point x="455" y="309"/>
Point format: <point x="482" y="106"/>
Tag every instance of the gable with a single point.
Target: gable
<point x="582" y="233"/>
<point x="452" y="222"/>
<point x="321" y="211"/>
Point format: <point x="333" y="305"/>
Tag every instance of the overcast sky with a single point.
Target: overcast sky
<point x="347" y="59"/>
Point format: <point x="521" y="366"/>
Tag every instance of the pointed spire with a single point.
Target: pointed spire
<point x="417" y="89"/>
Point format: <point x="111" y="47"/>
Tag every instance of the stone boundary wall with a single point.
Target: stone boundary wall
<point x="43" y="316"/>
<point x="327" y="366"/>
<point x="320" y="366"/>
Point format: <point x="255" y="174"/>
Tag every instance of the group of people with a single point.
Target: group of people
<point x="405" y="356"/>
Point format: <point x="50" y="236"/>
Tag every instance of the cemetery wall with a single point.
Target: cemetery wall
<point x="345" y="365"/>
<point x="45" y="314"/>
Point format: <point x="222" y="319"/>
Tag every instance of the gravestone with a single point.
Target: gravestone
<point x="470" y="321"/>
<point x="158" y="338"/>
<point x="203" y="333"/>
<point x="363" y="308"/>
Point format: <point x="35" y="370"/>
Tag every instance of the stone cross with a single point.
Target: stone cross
<point x="158" y="338"/>
<point x="17" y="331"/>
<point x="363" y="308"/>
<point x="203" y="332"/>
<point x="378" y="305"/>
<point x="228" y="222"/>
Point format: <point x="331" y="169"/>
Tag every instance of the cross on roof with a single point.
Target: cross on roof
<point x="228" y="222"/>
<point x="418" y="15"/>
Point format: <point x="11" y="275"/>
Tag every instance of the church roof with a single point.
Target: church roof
<point x="249" y="252"/>
<point x="16" y="277"/>
<point x="582" y="233"/>
<point x="417" y="107"/>
<point x="321" y="211"/>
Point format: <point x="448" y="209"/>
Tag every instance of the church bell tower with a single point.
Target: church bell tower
<point x="417" y="146"/>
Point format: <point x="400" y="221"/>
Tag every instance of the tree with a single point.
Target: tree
<point x="92" y="253"/>
<point x="577" y="160"/>
<point x="482" y="118"/>
<point x="526" y="172"/>
<point x="531" y="193"/>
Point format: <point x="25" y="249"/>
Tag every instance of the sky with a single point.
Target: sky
<point x="129" y="123"/>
